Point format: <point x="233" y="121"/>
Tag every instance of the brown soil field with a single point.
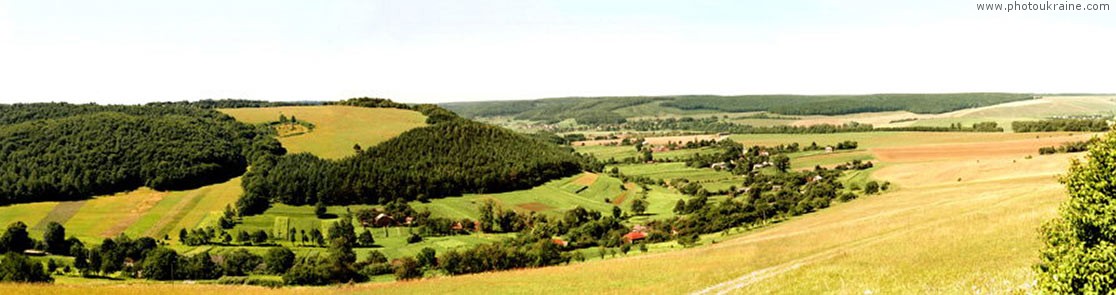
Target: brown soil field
<point x="623" y="195"/>
<point x="587" y="179"/>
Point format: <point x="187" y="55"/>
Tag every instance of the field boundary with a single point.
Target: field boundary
<point x="162" y="227"/>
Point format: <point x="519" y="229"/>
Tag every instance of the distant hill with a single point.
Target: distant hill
<point x="599" y="110"/>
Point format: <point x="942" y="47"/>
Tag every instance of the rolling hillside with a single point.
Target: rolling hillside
<point x="935" y="234"/>
<point x="337" y="128"/>
<point x="145" y="212"/>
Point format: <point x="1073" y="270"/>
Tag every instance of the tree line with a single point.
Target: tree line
<point x="1086" y="125"/>
<point x="717" y="125"/>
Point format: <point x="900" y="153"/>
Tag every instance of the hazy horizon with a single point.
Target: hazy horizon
<point x="129" y="52"/>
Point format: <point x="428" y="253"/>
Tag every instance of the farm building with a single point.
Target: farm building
<point x="634" y="236"/>
<point x="560" y="242"/>
<point x="384" y="220"/>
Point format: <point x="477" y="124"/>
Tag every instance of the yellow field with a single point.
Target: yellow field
<point x="337" y="128"/>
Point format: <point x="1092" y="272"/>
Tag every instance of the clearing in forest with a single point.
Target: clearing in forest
<point x="336" y="128"/>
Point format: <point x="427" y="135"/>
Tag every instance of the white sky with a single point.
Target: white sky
<point x="438" y="51"/>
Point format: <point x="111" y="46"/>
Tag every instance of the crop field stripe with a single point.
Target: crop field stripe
<point x="163" y="226"/>
<point x="142" y="206"/>
<point x="60" y="213"/>
<point x="211" y="205"/>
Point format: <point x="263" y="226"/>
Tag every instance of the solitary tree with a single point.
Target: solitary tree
<point x="81" y="258"/>
<point x="320" y="209"/>
<point x="279" y="259"/>
<point x="871" y="187"/>
<point x="781" y="162"/>
<point x="639" y="206"/>
<point x="55" y="239"/>
<point x="15" y="238"/>
<point x="365" y="239"/>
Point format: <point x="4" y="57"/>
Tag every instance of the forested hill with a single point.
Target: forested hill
<point x="57" y="151"/>
<point x="451" y="157"/>
<point x="594" y="110"/>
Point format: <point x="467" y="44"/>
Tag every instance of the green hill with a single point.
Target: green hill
<point x="69" y="152"/>
<point x="445" y="159"/>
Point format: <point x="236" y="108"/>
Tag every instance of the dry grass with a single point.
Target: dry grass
<point x="587" y="179"/>
<point x="337" y="128"/>
<point x="108" y="216"/>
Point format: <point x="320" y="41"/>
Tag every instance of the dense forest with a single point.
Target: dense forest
<point x="451" y="157"/>
<point x="233" y="103"/>
<point x="59" y="151"/>
<point x="1090" y="125"/>
<point x="603" y="110"/>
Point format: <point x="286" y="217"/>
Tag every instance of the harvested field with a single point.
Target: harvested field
<point x="60" y="214"/>
<point x="979" y="150"/>
<point x="108" y="216"/>
<point x="126" y="220"/>
<point x="587" y="179"/>
<point x="337" y="128"/>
